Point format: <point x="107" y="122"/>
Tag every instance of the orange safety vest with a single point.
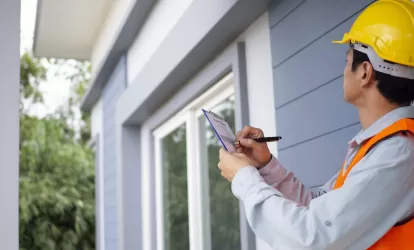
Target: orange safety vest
<point x="400" y="236"/>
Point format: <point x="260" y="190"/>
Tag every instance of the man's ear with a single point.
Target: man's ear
<point x="366" y="74"/>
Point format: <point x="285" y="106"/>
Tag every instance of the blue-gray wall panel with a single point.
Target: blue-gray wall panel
<point x="315" y="114"/>
<point x="109" y="181"/>
<point x="110" y="95"/>
<point x="111" y="230"/>
<point x="110" y="196"/>
<point x="307" y="23"/>
<point x="316" y="161"/>
<point x="98" y="187"/>
<point x="281" y="9"/>
<point x="302" y="73"/>
<point x="315" y="122"/>
<point x="110" y="245"/>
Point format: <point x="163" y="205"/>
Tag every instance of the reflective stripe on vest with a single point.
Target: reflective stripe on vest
<point x="401" y="235"/>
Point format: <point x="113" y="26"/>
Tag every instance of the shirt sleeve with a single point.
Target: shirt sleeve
<point x="275" y="175"/>
<point x="378" y="193"/>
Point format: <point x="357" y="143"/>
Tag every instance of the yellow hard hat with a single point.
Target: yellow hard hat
<point x="387" y="27"/>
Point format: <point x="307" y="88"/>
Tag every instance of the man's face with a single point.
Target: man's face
<point x="352" y="88"/>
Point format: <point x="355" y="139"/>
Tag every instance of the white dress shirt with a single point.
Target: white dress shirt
<point x="378" y="192"/>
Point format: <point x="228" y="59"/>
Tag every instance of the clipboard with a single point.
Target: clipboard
<point x="221" y="129"/>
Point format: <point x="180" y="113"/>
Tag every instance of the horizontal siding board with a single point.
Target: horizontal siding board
<point x="311" y="115"/>
<point x="113" y="91"/>
<point x="109" y="176"/>
<point x="316" y="161"/>
<point x="113" y="222"/>
<point x="110" y="95"/>
<point x="112" y="108"/>
<point x="316" y="65"/>
<point x="110" y="171"/>
<point x="281" y="9"/>
<point x="308" y="22"/>
<point x="110" y="183"/>
<point x="110" y="204"/>
<point x="110" y="123"/>
<point x="113" y="96"/>
<point x="111" y="229"/>
<point x="110" y="139"/>
<point x="111" y="201"/>
<point x="111" y="196"/>
<point x="117" y="76"/>
<point x="110" y="244"/>
<point x="315" y="114"/>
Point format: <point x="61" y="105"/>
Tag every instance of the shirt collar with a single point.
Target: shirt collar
<point x="382" y="123"/>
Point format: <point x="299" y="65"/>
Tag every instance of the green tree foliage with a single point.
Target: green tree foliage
<point x="56" y="170"/>
<point x="32" y="73"/>
<point x="175" y="190"/>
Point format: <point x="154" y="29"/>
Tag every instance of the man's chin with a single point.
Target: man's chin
<point x="349" y="100"/>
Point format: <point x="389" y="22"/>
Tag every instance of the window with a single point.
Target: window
<point x="194" y="202"/>
<point x="223" y="206"/>
<point x="174" y="168"/>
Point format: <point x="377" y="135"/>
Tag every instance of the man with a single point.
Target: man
<point x="369" y="204"/>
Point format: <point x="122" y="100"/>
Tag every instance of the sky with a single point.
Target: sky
<point x="56" y="89"/>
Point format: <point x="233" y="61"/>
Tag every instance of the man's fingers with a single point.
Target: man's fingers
<point x="238" y="154"/>
<point x="248" y="143"/>
<point x="222" y="153"/>
<point x="239" y="148"/>
<point x="237" y="134"/>
<point x="249" y="132"/>
<point x="243" y="133"/>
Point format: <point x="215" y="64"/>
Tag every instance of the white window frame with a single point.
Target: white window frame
<point x="198" y="218"/>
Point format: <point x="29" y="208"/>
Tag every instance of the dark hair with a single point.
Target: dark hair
<point x="395" y="89"/>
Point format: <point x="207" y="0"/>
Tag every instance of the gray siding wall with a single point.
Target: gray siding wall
<point x="311" y="116"/>
<point x="98" y="184"/>
<point x="110" y="95"/>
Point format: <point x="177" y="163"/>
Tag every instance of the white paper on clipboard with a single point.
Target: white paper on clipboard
<point x="222" y="130"/>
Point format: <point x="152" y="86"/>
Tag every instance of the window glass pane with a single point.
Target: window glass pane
<point x="174" y="160"/>
<point x="224" y="207"/>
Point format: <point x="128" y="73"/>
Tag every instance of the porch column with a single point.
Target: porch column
<point x="9" y="123"/>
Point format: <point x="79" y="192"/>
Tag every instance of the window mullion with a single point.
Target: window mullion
<point x="193" y="182"/>
<point x="203" y="180"/>
<point x="159" y="184"/>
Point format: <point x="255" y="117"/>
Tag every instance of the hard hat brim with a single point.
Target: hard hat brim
<point x="345" y="39"/>
<point x="339" y="41"/>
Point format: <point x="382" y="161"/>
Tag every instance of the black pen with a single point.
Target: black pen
<point x="264" y="139"/>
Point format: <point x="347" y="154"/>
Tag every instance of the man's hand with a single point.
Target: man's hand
<point x="231" y="163"/>
<point x="258" y="153"/>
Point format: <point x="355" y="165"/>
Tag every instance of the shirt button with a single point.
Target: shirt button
<point x="328" y="223"/>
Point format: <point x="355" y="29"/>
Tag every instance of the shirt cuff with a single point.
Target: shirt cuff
<point x="274" y="162"/>
<point x="245" y="181"/>
<point x="248" y="183"/>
